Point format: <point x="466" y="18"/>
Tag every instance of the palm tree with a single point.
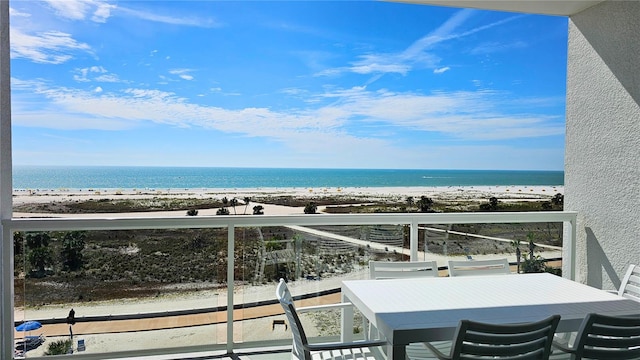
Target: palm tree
<point x="72" y="246"/>
<point x="40" y="258"/>
<point x="410" y="202"/>
<point x="233" y="204"/>
<point x="246" y="203"/>
<point x="18" y="242"/>
<point x="39" y="253"/>
<point x="516" y="244"/>
<point x="425" y="204"/>
<point x="258" y="210"/>
<point x="558" y="199"/>
<point x="310" y="208"/>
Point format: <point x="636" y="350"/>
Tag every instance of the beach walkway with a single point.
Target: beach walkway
<point x="145" y="323"/>
<point x="176" y="321"/>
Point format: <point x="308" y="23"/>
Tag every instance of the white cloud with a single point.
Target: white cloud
<point x="419" y="54"/>
<point x="182" y="73"/>
<point x="51" y="47"/>
<point x="16" y="13"/>
<point x="112" y="78"/>
<point x="173" y="20"/>
<point x="441" y="70"/>
<point x="98" y="69"/>
<point x="84" y="73"/>
<point x="99" y="11"/>
<point x="465" y="115"/>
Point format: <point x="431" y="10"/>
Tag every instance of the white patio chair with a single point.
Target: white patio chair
<point x="630" y="287"/>
<point x="402" y="269"/>
<point x="478" y="267"/>
<point x="603" y="337"/>
<point x="303" y="350"/>
<point x="524" y="341"/>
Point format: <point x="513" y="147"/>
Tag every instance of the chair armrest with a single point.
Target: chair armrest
<point x="324" y="307"/>
<point x="437" y="352"/>
<point x="346" y="345"/>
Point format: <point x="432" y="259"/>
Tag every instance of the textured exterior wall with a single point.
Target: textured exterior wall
<point x="602" y="159"/>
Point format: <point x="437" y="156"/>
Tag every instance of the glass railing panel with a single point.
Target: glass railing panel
<point x="129" y="289"/>
<point x="314" y="260"/>
<point x="443" y="242"/>
<point x="153" y="269"/>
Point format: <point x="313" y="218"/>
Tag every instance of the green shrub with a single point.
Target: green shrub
<point x="59" y="347"/>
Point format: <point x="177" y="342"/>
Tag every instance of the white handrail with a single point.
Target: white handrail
<point x="233" y="221"/>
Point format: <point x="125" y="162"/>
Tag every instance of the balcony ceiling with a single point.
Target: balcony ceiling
<point x="546" y="7"/>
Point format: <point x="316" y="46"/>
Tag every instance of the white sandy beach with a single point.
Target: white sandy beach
<point x="252" y="330"/>
<point x="448" y="193"/>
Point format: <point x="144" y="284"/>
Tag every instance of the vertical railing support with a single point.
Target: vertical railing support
<point x="570" y="258"/>
<point x="230" y="282"/>
<point x="413" y="240"/>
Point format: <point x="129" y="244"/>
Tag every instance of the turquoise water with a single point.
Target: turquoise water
<point x="81" y="177"/>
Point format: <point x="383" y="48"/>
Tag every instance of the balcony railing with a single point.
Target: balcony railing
<point x="411" y="221"/>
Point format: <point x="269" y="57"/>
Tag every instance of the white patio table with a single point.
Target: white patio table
<point x="429" y="309"/>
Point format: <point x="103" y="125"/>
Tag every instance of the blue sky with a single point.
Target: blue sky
<point x="326" y="84"/>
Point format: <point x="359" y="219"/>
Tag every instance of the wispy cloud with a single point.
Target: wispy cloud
<point x="51" y="47"/>
<point x="493" y="47"/>
<point x="419" y="54"/>
<point x="460" y="114"/>
<point x="182" y="73"/>
<point x="16" y="13"/>
<point x="171" y="19"/>
<point x="94" y="73"/>
<point x="96" y="10"/>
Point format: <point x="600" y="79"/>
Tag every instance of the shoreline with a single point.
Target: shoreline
<point x="509" y="192"/>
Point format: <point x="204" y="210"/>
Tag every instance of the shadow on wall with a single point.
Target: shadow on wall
<point x="615" y="17"/>
<point x="598" y="263"/>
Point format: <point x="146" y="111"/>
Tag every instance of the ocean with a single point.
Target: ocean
<point x="116" y="177"/>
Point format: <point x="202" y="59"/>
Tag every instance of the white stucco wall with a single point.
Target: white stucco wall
<point x="602" y="159"/>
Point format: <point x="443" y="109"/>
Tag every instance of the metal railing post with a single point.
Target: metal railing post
<point x="230" y="282"/>
<point x="572" y="249"/>
<point x="413" y="241"/>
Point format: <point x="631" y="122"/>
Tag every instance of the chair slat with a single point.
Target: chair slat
<point x="617" y="331"/>
<point x="479" y="267"/>
<point x="630" y="286"/>
<point x="402" y="269"/>
<point x="475" y="340"/>
<point x="606" y="337"/>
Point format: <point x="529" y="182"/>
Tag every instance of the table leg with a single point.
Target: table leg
<point x="346" y="320"/>
<point x="396" y="352"/>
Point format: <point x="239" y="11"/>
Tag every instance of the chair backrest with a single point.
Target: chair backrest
<point x="299" y="338"/>
<point x="402" y="269"/>
<point x="478" y="267"/>
<point x="630" y="287"/>
<point x="608" y="337"/>
<point x="475" y="340"/>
